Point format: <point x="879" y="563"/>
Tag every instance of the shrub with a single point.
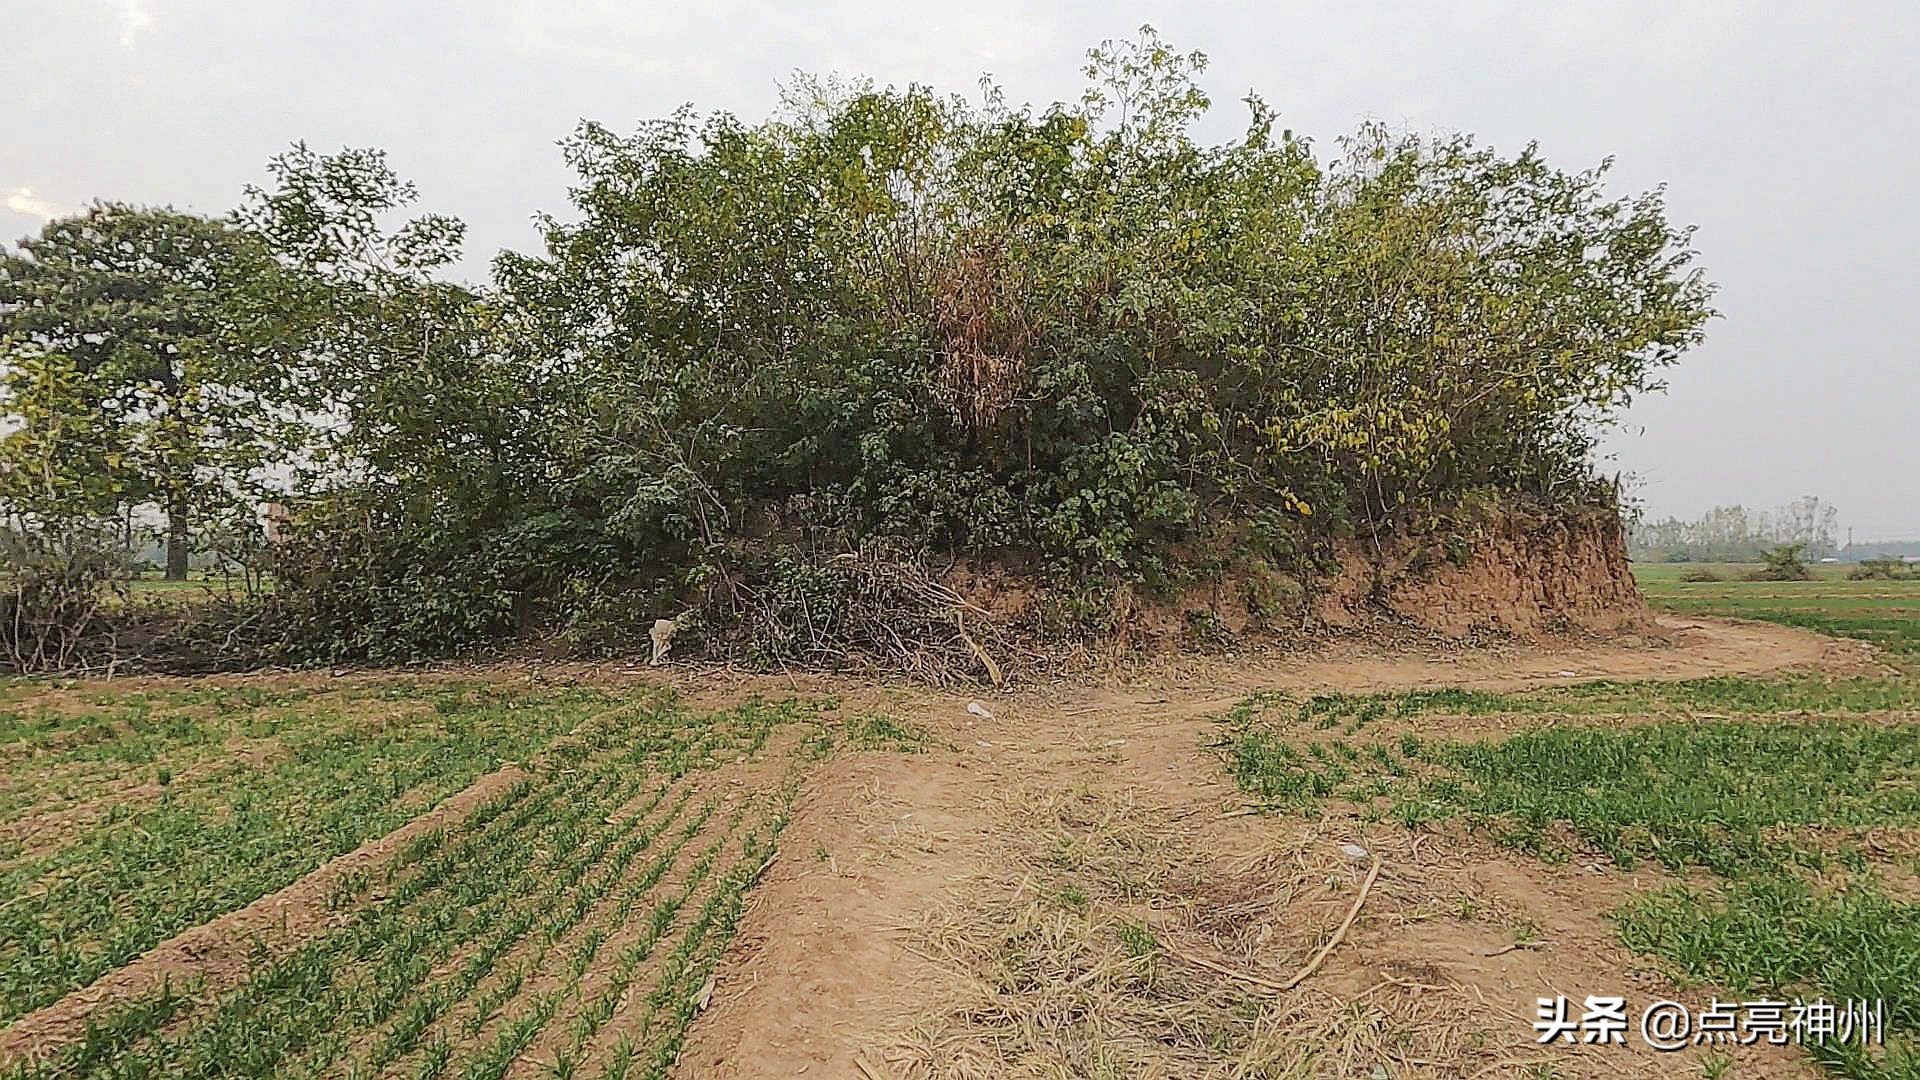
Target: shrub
<point x="61" y="587"/>
<point x="1782" y="564"/>
<point x="1879" y="570"/>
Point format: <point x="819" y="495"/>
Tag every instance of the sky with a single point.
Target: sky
<point x="1789" y="134"/>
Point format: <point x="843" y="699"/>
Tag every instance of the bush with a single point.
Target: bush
<point x="61" y="588"/>
<point x="1880" y="570"/>
<point x="1700" y="575"/>
<point x="1782" y="564"/>
<point x="360" y="582"/>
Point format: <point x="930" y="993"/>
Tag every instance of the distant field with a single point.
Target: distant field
<point x="1662" y="573"/>
<point x="1886" y="613"/>
<point x="197" y="585"/>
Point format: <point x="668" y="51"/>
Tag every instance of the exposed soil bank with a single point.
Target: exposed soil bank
<point x="1518" y="573"/>
<point x="1504" y="574"/>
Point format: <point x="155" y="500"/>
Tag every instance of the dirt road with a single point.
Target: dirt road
<point x="973" y="911"/>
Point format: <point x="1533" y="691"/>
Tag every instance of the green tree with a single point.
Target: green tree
<point x="390" y="355"/>
<point x="169" y="331"/>
<point x="1782" y="564"/>
<point x="1080" y="331"/>
<point x="1074" y="335"/>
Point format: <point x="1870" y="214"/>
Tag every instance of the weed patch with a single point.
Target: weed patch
<point x="880" y="731"/>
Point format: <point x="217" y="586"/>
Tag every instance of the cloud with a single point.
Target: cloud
<point x="704" y="54"/>
<point x="23" y="201"/>
<point x="134" y="17"/>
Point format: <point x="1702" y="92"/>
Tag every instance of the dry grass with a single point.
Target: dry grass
<point x="1105" y="959"/>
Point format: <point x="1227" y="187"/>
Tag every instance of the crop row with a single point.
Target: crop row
<point x="547" y="902"/>
<point x="134" y="880"/>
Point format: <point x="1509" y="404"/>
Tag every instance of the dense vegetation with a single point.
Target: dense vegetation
<point x="884" y="321"/>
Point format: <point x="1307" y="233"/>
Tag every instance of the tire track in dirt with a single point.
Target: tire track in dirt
<point x="830" y="975"/>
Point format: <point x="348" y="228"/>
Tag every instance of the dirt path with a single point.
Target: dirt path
<point x="915" y="924"/>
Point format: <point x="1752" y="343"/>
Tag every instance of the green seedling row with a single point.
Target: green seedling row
<point x="127" y="884"/>
<point x="525" y="923"/>
<point x="1774" y="785"/>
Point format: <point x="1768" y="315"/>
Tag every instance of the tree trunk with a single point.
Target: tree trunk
<point x="177" y="540"/>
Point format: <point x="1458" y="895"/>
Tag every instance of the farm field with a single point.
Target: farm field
<point x="571" y="871"/>
<point x="566" y="859"/>
<point x="199" y="585"/>
<point x="1662" y="573"/>
<point x="1884" y="612"/>
<point x="1780" y="814"/>
<point x="1048" y="581"/>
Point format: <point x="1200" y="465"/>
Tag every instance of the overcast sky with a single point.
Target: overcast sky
<point x="1789" y="133"/>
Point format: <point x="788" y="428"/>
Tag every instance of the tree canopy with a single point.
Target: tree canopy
<point x="1072" y="335"/>
<point x="146" y="364"/>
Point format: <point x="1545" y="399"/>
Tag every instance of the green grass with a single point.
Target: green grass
<point x="225" y="829"/>
<point x="606" y="883"/>
<point x="880" y="731"/>
<point x="1886" y="613"/>
<point x="1766" y="932"/>
<point x="1769" y="784"/>
<point x="1763" y="934"/>
<point x="155" y="584"/>
<point x="200" y="586"/>
<point x="1717" y="794"/>
<point x="1665" y="573"/>
<point x="1788" y="693"/>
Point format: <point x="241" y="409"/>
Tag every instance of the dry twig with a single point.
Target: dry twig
<point x="1366" y="886"/>
<point x="1339" y="935"/>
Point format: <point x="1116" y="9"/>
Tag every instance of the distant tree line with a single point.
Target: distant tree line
<point x="1736" y="534"/>
<point x="1883" y="549"/>
<point x="1074" y="339"/>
